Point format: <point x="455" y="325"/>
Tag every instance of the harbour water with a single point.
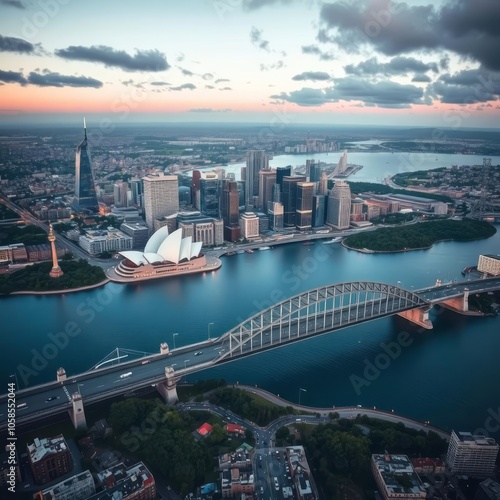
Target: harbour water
<point x="448" y="375"/>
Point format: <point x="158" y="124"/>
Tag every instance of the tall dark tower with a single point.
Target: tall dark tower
<point x="231" y="211"/>
<point x="85" y="199"/>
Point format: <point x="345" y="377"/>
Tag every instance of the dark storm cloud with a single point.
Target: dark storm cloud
<point x="12" y="44"/>
<point x="468" y="28"/>
<point x="257" y="4"/>
<point x="382" y="94"/>
<point x="13" y="3"/>
<point x="312" y="75"/>
<point x="12" y="77"/>
<point x="315" y="50"/>
<point x="397" y="66"/>
<point x="257" y="40"/>
<point x="48" y="79"/>
<point x="467" y="87"/>
<point x="142" y="60"/>
<point x="184" y="86"/>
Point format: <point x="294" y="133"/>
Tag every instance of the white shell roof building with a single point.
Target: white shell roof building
<point x="164" y="247"/>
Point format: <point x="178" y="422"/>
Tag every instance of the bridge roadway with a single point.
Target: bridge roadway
<point x="55" y="397"/>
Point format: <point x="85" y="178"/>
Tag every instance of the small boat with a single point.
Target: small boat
<point x="249" y="250"/>
<point x="307" y="243"/>
<point x="229" y="254"/>
<point x="264" y="248"/>
<point x="240" y="251"/>
<point x="335" y="240"/>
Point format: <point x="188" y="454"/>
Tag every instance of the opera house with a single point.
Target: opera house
<point x="164" y="255"/>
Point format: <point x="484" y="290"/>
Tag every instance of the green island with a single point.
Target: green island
<point x="35" y="278"/>
<point x="419" y="236"/>
<point x="339" y="451"/>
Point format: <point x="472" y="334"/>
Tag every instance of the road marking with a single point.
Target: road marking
<point x="100" y="386"/>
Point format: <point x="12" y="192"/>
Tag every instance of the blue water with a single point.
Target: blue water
<point x="448" y="375"/>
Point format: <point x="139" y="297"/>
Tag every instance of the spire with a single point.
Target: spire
<point x="84" y="127"/>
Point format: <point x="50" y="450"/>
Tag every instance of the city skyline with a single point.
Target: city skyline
<point x="377" y="62"/>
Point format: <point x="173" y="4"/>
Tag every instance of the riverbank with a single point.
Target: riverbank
<point x="418" y="236"/>
<point x="348" y="411"/>
<point x="55" y="292"/>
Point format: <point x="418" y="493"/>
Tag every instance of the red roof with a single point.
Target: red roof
<point x="235" y="428"/>
<point x="205" y="429"/>
<point x="422" y="462"/>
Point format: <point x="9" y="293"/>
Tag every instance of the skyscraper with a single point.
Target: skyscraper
<point x="209" y="194"/>
<point x="267" y="179"/>
<point x="231" y="211"/>
<point x="85" y="199"/>
<point x="289" y="198"/>
<point x="282" y="172"/>
<point x="339" y="206"/>
<point x="303" y="216"/>
<point x="161" y="197"/>
<point x="257" y="160"/>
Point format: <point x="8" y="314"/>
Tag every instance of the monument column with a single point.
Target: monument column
<point x="56" y="271"/>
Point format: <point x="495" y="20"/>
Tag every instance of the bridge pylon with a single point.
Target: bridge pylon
<point x="168" y="388"/>
<point x="419" y="316"/>
<point x="77" y="412"/>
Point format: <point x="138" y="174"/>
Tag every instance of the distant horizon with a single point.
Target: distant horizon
<point x="98" y="123"/>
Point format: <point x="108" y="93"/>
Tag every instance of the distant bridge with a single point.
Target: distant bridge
<point x="315" y="312"/>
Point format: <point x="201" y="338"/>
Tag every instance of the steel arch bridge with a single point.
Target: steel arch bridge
<point x="315" y="312"/>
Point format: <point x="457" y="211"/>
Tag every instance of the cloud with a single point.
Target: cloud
<point x="207" y="76"/>
<point x="397" y="66"/>
<point x="48" y="79"/>
<point x="257" y="40"/>
<point x="12" y="44"/>
<point x="209" y="87"/>
<point x="276" y="65"/>
<point x="465" y="27"/>
<point x="315" y="50"/>
<point x="159" y="84"/>
<point x="210" y="110"/>
<point x="184" y="86"/>
<point x="385" y="94"/>
<point x="421" y="78"/>
<point x="12" y="77"/>
<point x="382" y="94"/>
<point x="186" y="72"/>
<point x="257" y="4"/>
<point x="132" y="84"/>
<point x="467" y="87"/>
<point x="220" y="80"/>
<point x="304" y="97"/>
<point x="226" y="88"/>
<point x="142" y="60"/>
<point x="312" y="75"/>
<point x="17" y="4"/>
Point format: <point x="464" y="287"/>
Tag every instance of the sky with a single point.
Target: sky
<point x="367" y="62"/>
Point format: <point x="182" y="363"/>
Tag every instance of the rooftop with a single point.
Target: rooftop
<point x="475" y="439"/>
<point x="398" y="474"/>
<point x="44" y="447"/>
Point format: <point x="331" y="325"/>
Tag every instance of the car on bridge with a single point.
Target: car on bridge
<point x="52" y="398"/>
<point x="198" y="353"/>
<point x="125" y="375"/>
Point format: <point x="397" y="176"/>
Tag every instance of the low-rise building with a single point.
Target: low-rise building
<point x="488" y="490"/>
<point x="237" y="477"/>
<point x="111" y="240"/>
<point x="78" y="487"/>
<point x="396" y="478"/>
<point x="132" y="483"/>
<point x="49" y="458"/>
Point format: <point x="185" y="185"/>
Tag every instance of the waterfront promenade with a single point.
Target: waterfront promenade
<point x="347" y="411"/>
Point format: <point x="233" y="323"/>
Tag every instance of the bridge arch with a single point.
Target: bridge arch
<point x="317" y="311"/>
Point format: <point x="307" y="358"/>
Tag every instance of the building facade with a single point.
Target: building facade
<point x="98" y="241"/>
<point x="489" y="264"/>
<point x="161" y="197"/>
<point x="49" y="458"/>
<point x="339" y="206"/>
<point x="257" y="160"/>
<point x="249" y="223"/>
<point x="231" y="210"/>
<point x="303" y="216"/>
<point x="85" y="199"/>
<point x="289" y="198"/>
<point x="78" y="487"/>
<point x="471" y="454"/>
